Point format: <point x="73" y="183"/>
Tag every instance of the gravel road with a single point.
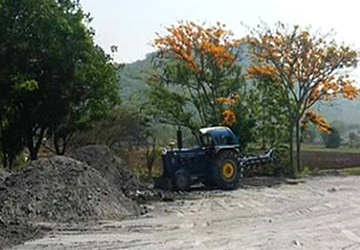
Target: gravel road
<point x="315" y="213"/>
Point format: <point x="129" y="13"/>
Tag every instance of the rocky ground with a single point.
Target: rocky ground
<point x="312" y="213"/>
<point x="94" y="187"/>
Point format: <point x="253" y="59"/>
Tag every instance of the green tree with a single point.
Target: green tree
<point x="332" y="140"/>
<point x="52" y="74"/>
<point x="122" y="128"/>
<point x="94" y="101"/>
<point x="267" y="106"/>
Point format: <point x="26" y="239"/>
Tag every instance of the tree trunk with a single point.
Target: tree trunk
<point x="150" y="156"/>
<point x="5" y="160"/>
<point x="34" y="147"/>
<point x="56" y="143"/>
<point x="263" y="130"/>
<point x="291" y="151"/>
<point x="298" y="145"/>
<point x="58" y="149"/>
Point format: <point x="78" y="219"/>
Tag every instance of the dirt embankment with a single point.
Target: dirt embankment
<point x="112" y="169"/>
<point x="329" y="160"/>
<point x="65" y="190"/>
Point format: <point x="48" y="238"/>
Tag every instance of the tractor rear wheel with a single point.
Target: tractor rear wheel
<point x="182" y="180"/>
<point x="225" y="171"/>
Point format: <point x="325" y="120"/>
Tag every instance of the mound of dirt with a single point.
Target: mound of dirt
<point x="63" y="190"/>
<point x="111" y="168"/>
<point x="17" y="232"/>
<point x="59" y="189"/>
<point x="3" y="174"/>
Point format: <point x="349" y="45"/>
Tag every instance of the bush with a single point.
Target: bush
<point x="332" y="140"/>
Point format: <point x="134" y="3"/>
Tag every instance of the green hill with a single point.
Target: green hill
<point x="133" y="86"/>
<point x="343" y="110"/>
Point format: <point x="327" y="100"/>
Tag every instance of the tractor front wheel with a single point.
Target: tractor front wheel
<point x="182" y="180"/>
<point x="225" y="171"/>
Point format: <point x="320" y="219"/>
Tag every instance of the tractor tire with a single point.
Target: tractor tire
<point x="182" y="180"/>
<point x="225" y="170"/>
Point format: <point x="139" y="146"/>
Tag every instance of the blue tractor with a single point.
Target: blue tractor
<point x="216" y="162"/>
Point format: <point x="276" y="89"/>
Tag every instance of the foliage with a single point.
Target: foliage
<point x="244" y="125"/>
<point x="331" y="140"/>
<point x="267" y="105"/>
<point x="52" y="76"/>
<point x="306" y="68"/>
<point x="123" y="128"/>
<point x="128" y="133"/>
<point x="95" y="100"/>
<point x="195" y="66"/>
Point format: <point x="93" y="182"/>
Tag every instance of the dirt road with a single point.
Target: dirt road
<point x="320" y="213"/>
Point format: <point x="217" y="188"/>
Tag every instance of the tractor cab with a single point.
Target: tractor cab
<point x="218" y="137"/>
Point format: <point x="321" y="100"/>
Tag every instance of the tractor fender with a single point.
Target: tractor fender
<point x="236" y="151"/>
<point x="226" y="147"/>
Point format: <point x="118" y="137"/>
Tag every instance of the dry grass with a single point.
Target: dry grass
<point x="136" y="161"/>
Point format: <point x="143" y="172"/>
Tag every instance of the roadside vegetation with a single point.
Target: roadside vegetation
<point x="281" y="87"/>
<point x="60" y="91"/>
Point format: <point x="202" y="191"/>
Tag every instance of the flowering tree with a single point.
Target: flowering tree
<point x="196" y="66"/>
<point x="306" y="69"/>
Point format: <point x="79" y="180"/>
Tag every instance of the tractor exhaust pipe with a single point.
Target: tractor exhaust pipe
<point x="179" y="138"/>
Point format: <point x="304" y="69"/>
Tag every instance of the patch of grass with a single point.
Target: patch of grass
<point x="136" y="161"/>
<point x="306" y="170"/>
<point x="352" y="171"/>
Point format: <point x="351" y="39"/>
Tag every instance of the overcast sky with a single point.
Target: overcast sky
<point x="131" y="24"/>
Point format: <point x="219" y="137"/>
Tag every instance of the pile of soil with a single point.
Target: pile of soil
<point x="113" y="169"/>
<point x="18" y="231"/>
<point x="3" y="174"/>
<point x="59" y="189"/>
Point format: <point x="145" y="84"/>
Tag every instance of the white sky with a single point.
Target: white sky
<point x="131" y="24"/>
